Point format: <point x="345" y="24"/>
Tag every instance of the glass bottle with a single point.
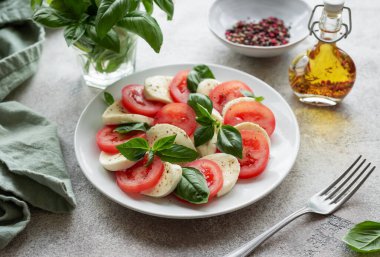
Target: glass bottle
<point x="325" y="74"/>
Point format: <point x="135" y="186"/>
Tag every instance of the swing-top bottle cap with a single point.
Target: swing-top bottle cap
<point x="333" y="6"/>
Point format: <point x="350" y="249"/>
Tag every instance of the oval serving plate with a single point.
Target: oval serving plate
<point x="284" y="150"/>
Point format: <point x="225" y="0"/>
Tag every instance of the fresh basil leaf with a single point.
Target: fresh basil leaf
<point x="150" y="158"/>
<point x="129" y="127"/>
<point x="35" y="4"/>
<point x="252" y="95"/>
<point x="164" y="143"/>
<point x="109" y="41"/>
<point x="204" y="117"/>
<point x="364" y="237"/>
<point x="51" y="18"/>
<point x="74" y="8"/>
<point x="108" y="98"/>
<point x="109" y="13"/>
<point x="196" y="75"/>
<point x="229" y="141"/>
<point x="134" y="149"/>
<point x="148" y="5"/>
<point x="145" y="26"/>
<point x="203" y="134"/>
<point x="177" y="153"/>
<point x="167" y="6"/>
<point x="200" y="99"/>
<point x="192" y="186"/>
<point x="133" y="5"/>
<point x="73" y="33"/>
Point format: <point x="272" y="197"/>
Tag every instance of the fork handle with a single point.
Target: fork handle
<point x="251" y="245"/>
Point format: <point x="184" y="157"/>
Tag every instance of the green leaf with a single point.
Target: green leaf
<point x="200" y="99"/>
<point x="129" y="127"/>
<point x="133" y="5"/>
<point x="108" y="98"/>
<point x="109" y="13"/>
<point x="51" y="18"/>
<point x="203" y="134"/>
<point x="148" y="5"/>
<point x="109" y="41"/>
<point x="204" y="117"/>
<point x="247" y="93"/>
<point x="364" y="237"/>
<point x="74" y="8"/>
<point x="196" y="75"/>
<point x="145" y="26"/>
<point x="35" y="4"/>
<point x="167" y="6"/>
<point x="177" y="153"/>
<point x="73" y="33"/>
<point x="192" y="186"/>
<point x="229" y="141"/>
<point x="164" y="143"/>
<point x="150" y="158"/>
<point x="134" y="149"/>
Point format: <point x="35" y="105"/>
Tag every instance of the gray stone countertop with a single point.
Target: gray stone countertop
<point x="330" y="139"/>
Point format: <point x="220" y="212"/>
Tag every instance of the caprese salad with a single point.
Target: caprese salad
<point x="189" y="135"/>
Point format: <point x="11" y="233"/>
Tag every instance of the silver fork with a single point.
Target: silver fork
<point x="324" y="202"/>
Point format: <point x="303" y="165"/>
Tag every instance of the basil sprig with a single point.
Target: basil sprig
<point x="247" y="93"/>
<point x="192" y="186"/>
<point x="196" y="75"/>
<point x="133" y="126"/>
<point x="165" y="148"/>
<point x="364" y="237"/>
<point x="108" y="98"/>
<point x="228" y="138"/>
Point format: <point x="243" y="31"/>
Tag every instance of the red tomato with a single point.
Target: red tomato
<point x="255" y="154"/>
<point x="107" y="139"/>
<point x="178" y="87"/>
<point x="139" y="178"/>
<point x="133" y="100"/>
<point x="251" y="112"/>
<point x="212" y="172"/>
<point x="177" y="114"/>
<point x="226" y="92"/>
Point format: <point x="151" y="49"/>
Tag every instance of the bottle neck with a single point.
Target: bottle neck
<point x="330" y="24"/>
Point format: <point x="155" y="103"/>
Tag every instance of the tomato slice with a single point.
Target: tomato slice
<point x="178" y="87"/>
<point x="134" y="101"/>
<point x="139" y="178"/>
<point x="226" y="92"/>
<point x="255" y="154"/>
<point x="177" y="114"/>
<point x="107" y="139"/>
<point x="212" y="172"/>
<point x="251" y="112"/>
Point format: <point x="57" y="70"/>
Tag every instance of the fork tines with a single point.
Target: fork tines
<point x="349" y="182"/>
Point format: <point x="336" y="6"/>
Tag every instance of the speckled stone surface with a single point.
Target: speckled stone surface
<point x="330" y="139"/>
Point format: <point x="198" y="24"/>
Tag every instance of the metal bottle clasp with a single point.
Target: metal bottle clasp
<point x="347" y="29"/>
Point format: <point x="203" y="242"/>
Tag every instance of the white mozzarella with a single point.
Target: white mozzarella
<point x="210" y="146"/>
<point x="230" y="168"/>
<point x="157" y="89"/>
<point x="115" y="162"/>
<point x="253" y="127"/>
<point x="235" y="101"/>
<point x="168" y="181"/>
<point x="206" y="86"/>
<point x="117" y="114"/>
<point x="164" y="130"/>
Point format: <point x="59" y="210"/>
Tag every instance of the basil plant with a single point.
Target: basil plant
<point x="104" y="30"/>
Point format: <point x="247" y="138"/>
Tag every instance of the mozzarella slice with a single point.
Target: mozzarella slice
<point x="206" y="86"/>
<point x="168" y="181"/>
<point x="210" y="146"/>
<point x="157" y="89"/>
<point x="230" y="168"/>
<point x="117" y="114"/>
<point x="164" y="130"/>
<point x="235" y="101"/>
<point x="253" y="127"/>
<point x="115" y="162"/>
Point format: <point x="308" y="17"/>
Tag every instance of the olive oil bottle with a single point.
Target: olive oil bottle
<point x="325" y="74"/>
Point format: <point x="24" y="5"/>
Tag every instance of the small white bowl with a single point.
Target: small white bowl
<point x="224" y="14"/>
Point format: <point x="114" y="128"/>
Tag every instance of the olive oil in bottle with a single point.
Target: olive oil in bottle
<point x="325" y="74"/>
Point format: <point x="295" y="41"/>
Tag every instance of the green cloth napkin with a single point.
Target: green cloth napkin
<point x="32" y="170"/>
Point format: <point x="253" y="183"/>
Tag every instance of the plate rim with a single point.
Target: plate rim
<point x="201" y="215"/>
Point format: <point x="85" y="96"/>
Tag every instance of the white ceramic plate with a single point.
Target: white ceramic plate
<point x="284" y="149"/>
